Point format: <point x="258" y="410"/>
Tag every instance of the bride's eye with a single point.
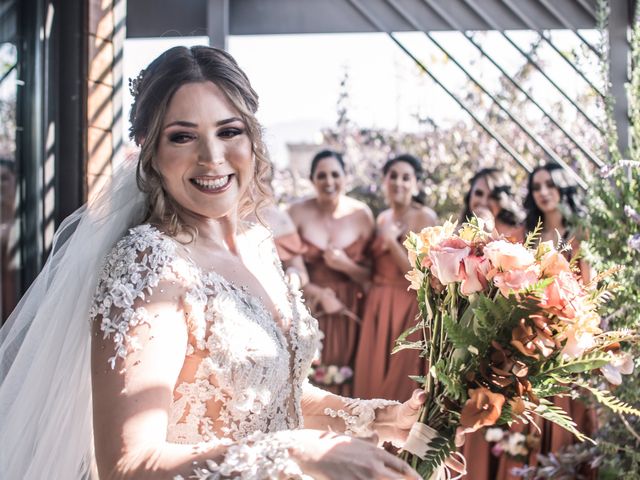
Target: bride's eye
<point x="181" y="137"/>
<point x="231" y="132"/>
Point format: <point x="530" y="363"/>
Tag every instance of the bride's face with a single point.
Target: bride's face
<point x="204" y="153"/>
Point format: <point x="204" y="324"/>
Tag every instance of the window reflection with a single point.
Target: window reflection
<point x="8" y="175"/>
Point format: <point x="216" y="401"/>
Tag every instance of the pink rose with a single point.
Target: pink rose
<point x="475" y="270"/>
<point x="446" y="259"/>
<point x="508" y="256"/>
<point x="563" y="295"/>
<point x="515" y="280"/>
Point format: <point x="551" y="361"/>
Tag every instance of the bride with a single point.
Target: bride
<point x="194" y="360"/>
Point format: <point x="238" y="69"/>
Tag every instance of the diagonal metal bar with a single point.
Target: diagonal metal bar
<point x="536" y="139"/>
<point x="487" y="128"/>
<point x="7" y="73"/>
<point x="566" y="24"/>
<point x="454" y="24"/>
<point x="545" y="36"/>
<point x="587" y="7"/>
<point x="530" y="59"/>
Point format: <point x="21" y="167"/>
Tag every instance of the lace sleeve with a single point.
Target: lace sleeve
<point x="353" y="416"/>
<point x="260" y="456"/>
<point x="133" y="269"/>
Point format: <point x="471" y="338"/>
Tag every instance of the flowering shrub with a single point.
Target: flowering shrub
<point x="505" y="327"/>
<point x="330" y="374"/>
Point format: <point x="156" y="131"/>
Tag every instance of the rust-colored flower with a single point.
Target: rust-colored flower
<point x="522" y="338"/>
<point x="483" y="408"/>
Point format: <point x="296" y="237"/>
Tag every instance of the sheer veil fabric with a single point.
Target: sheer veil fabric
<point x="45" y="346"/>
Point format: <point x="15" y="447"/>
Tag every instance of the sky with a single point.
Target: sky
<point x="298" y="77"/>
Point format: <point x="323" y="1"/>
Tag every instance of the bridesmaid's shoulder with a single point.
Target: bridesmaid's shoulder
<point x="421" y="216"/>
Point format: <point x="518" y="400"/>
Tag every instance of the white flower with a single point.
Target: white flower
<point x="621" y="364"/>
<point x="493" y="434"/>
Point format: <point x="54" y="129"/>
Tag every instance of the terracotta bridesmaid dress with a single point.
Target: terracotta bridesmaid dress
<point x="389" y="310"/>
<point x="340" y="331"/>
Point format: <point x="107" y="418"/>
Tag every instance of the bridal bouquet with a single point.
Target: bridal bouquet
<point x="505" y="326"/>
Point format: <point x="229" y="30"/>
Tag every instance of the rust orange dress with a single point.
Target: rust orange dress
<point x="340" y="331"/>
<point x="389" y="310"/>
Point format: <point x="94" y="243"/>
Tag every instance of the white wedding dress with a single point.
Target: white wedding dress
<point x="247" y="370"/>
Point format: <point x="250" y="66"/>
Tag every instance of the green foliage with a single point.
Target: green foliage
<point x="611" y="401"/>
<point x="460" y="336"/>
<point x="583" y="363"/>
<point x="557" y="415"/>
<point x="439" y="449"/>
<point x="448" y="374"/>
<point x="610" y="228"/>
<point x="489" y="317"/>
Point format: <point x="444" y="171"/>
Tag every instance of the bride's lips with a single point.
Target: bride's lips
<point x="212" y="184"/>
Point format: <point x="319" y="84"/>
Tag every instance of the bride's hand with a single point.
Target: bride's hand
<point x="394" y="422"/>
<point x="326" y="456"/>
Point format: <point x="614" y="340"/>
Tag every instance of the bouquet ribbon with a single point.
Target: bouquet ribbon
<point x="417" y="443"/>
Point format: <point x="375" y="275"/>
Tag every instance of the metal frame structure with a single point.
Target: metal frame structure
<point x="220" y="18"/>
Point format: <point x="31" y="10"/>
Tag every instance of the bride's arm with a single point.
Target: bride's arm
<point x="389" y="420"/>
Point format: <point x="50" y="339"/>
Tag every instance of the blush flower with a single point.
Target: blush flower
<point x="447" y="257"/>
<point x="474" y="274"/>
<point x="483" y="408"/>
<point x="416" y="278"/>
<point x="562" y="296"/>
<point x="507" y="256"/>
<point x="515" y="280"/>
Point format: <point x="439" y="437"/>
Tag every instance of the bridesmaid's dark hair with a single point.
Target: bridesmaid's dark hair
<point x="570" y="201"/>
<point x="321" y="155"/>
<point x="500" y="189"/>
<point x="420" y="198"/>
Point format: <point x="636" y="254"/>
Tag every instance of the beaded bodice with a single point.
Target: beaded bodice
<point x="242" y="371"/>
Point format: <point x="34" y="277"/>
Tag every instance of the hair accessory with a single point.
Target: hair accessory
<point x="134" y="84"/>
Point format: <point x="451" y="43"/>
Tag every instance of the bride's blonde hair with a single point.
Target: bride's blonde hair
<point x="153" y="90"/>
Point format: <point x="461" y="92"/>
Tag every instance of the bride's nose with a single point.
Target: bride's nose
<point x="211" y="151"/>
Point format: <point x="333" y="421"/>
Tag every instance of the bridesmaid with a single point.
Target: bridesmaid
<point x="491" y="198"/>
<point x="552" y="197"/>
<point x="335" y="230"/>
<point x="391" y="309"/>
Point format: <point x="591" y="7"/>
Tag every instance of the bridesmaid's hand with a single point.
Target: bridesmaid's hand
<point x="390" y="233"/>
<point x="330" y="303"/>
<point x="337" y="259"/>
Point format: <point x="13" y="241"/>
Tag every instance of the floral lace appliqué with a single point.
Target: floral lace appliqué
<point x="132" y="269"/>
<point x="361" y="414"/>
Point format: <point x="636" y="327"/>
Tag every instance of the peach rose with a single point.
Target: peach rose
<point x="474" y="273"/>
<point x="483" y="408"/>
<point x="553" y="263"/>
<point x="431" y="236"/>
<point x="515" y="280"/>
<point x="562" y="296"/>
<point x="446" y="259"/>
<point x="508" y="256"/>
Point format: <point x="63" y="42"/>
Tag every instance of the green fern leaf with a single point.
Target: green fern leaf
<point x="460" y="336"/>
<point x="606" y="398"/>
<point x="583" y="363"/>
<point x="439" y="449"/>
<point x="557" y="415"/>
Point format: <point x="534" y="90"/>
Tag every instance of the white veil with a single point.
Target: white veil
<point x="45" y="378"/>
